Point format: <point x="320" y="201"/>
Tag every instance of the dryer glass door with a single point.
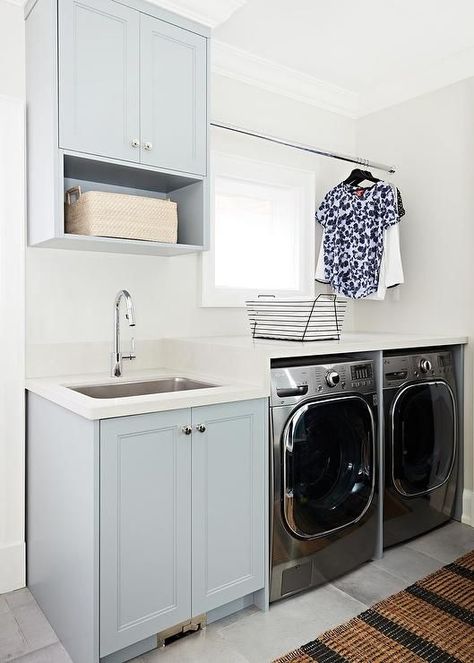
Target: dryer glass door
<point x="424" y="433"/>
<point x="329" y="474"/>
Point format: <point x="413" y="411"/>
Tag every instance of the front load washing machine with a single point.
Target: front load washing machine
<point x="324" y="460"/>
<point x="421" y="443"/>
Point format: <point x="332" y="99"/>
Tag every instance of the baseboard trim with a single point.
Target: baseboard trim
<point x="12" y="567"/>
<point x="468" y="507"/>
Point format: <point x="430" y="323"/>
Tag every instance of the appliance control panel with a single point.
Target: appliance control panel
<point x="399" y="369"/>
<point x="295" y="383"/>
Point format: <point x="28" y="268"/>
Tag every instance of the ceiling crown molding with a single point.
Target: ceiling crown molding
<point x="208" y="12"/>
<point x="254" y="70"/>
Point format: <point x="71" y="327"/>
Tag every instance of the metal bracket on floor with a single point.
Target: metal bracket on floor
<point x="180" y="630"/>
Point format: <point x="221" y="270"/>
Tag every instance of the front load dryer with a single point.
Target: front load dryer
<point x="421" y="443"/>
<point x="324" y="515"/>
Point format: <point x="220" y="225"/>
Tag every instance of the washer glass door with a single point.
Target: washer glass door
<point x="424" y="437"/>
<point x="329" y="473"/>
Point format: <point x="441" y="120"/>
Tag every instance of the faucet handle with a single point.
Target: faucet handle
<point x="132" y="354"/>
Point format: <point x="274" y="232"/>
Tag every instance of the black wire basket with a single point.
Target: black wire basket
<point x="298" y="319"/>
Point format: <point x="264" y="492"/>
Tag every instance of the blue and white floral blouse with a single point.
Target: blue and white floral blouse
<point x="354" y="220"/>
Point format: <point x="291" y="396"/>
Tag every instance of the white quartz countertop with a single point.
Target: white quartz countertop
<point x="239" y="366"/>
<point x="56" y="389"/>
<point x="349" y="343"/>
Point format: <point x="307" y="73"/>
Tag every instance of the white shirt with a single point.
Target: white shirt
<point x="391" y="268"/>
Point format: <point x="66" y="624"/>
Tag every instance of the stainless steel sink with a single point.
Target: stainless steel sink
<point x="124" y="389"/>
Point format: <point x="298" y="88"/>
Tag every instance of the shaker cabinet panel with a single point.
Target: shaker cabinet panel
<point x="173" y="84"/>
<point x="228" y="506"/>
<point x="99" y="105"/>
<point x="145" y="534"/>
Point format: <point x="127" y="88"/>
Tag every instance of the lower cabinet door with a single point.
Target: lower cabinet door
<point x="228" y="506"/>
<point x="145" y="526"/>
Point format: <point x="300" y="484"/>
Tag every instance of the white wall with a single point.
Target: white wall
<point x="70" y="294"/>
<point x="12" y="220"/>
<point x="431" y="141"/>
<point x="12" y="338"/>
<point x="12" y="46"/>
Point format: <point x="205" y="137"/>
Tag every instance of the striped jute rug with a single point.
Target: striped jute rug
<point x="432" y="620"/>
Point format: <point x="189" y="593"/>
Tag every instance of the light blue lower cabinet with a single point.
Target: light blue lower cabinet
<point x="228" y="503"/>
<point x="145" y="526"/>
<point x="138" y="524"/>
<point x="182" y="516"/>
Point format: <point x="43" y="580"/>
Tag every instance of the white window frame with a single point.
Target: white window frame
<point x="302" y="182"/>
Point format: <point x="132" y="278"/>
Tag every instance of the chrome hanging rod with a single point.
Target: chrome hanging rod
<point x="307" y="148"/>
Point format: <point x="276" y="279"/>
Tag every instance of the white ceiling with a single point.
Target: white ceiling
<point x="362" y="55"/>
<point x="354" y="45"/>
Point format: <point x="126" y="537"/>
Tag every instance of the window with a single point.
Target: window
<point x="262" y="231"/>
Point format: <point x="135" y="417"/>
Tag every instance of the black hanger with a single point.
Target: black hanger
<point x="357" y="176"/>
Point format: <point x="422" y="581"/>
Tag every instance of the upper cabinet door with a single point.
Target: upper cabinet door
<point x="145" y="526"/>
<point x="99" y="54"/>
<point x="173" y="97"/>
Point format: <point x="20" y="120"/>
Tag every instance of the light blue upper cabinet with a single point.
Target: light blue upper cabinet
<point x="228" y="502"/>
<point x="117" y="96"/>
<point x="173" y="97"/>
<point x="131" y="87"/>
<point x="99" y="90"/>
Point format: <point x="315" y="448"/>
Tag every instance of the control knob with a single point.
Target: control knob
<point x="332" y="378"/>
<point x="425" y="366"/>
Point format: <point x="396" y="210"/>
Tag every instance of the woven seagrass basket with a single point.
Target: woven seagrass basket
<point x="119" y="215"/>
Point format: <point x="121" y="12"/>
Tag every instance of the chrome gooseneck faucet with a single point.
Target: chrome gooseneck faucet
<point x="117" y="356"/>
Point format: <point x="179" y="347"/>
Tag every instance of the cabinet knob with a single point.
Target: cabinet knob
<point x="148" y="146"/>
<point x="187" y="430"/>
<point x="201" y="428"/>
<point x="135" y="142"/>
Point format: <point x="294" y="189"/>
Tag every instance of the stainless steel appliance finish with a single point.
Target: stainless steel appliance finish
<point x="324" y="463"/>
<point x="117" y="356"/>
<point x="127" y="389"/>
<point x="421" y="443"/>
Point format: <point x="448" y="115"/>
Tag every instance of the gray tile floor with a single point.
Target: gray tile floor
<point x="252" y="636"/>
